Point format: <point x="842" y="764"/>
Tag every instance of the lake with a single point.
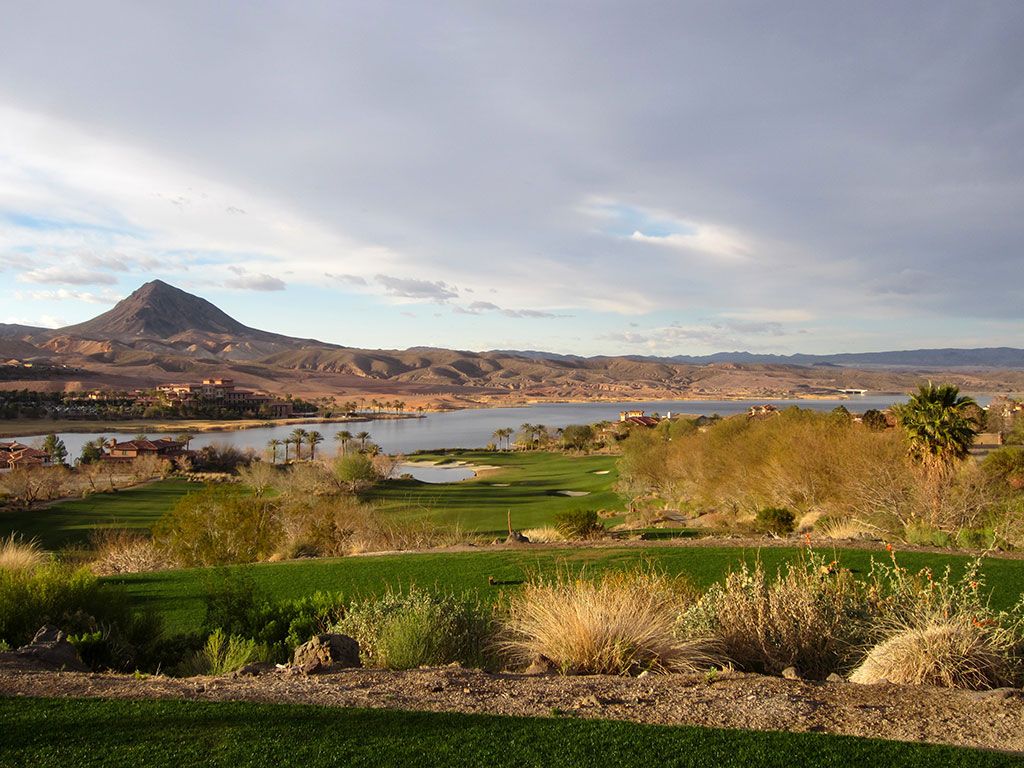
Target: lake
<point x="474" y="428"/>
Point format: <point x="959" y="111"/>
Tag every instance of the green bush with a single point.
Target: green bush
<point x="219" y="526"/>
<point x="222" y="655"/>
<point x="417" y="628"/>
<point x="96" y="616"/>
<point x="235" y="606"/>
<point x="777" y="520"/>
<point x="578" y="523"/>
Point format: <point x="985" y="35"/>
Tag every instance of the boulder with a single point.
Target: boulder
<point x="791" y="673"/>
<point x="324" y="652"/>
<point x="517" y="538"/>
<point x="50" y="647"/>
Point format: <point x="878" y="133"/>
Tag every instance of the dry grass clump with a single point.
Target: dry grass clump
<point x="19" y="555"/>
<point x="810" y="617"/>
<point x="957" y="653"/>
<point x="121" y="551"/>
<point x="618" y="624"/>
<point x="544" y="535"/>
<point x="845" y="528"/>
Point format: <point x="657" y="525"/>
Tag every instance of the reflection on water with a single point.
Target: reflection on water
<point x="475" y="428"/>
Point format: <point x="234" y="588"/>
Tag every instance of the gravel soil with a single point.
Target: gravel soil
<point x="990" y="719"/>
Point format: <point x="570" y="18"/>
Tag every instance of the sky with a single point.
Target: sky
<point x="579" y="177"/>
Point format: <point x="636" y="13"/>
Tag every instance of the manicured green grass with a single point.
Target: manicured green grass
<point x="71" y="522"/>
<point x="179" y="595"/>
<point x="482" y="503"/>
<point x="96" y="732"/>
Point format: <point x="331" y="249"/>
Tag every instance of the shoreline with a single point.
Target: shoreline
<point x="30" y="427"/>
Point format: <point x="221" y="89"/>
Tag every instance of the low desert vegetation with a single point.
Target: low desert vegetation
<point x="914" y="482"/>
<point x="618" y="624"/>
<point x="19" y="554"/>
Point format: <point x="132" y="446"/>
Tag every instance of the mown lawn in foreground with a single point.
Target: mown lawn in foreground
<point x="179" y="595"/>
<point x="72" y="522"/>
<point x="103" y="733"/>
<point x="526" y="484"/>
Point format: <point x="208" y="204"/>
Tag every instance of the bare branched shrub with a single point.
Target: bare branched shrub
<point x="17" y="554"/>
<point x="121" y="551"/>
<point x="618" y="624"/>
<point x="812" y="617"/>
<point x="260" y="477"/>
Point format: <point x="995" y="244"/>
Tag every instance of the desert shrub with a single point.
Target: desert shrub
<point x="259" y="477"/>
<point x="620" y="623"/>
<point x="221" y="457"/>
<point x="97" y="617"/>
<point x="117" y="550"/>
<point x="356" y="471"/>
<point x="17" y="554"/>
<point x="404" y="630"/>
<point x="544" y="534"/>
<point x="578" y="523"/>
<point x="875" y="420"/>
<point x="236" y="606"/>
<point x="221" y="655"/>
<point x="813" y="616"/>
<point x="953" y="653"/>
<point x="776" y="520"/>
<point x="218" y="526"/>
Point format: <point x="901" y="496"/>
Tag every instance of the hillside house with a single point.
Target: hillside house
<point x="223" y="392"/>
<point x="638" y="417"/>
<point x="15" y="455"/>
<point x="164" y="447"/>
<point x="762" y="411"/>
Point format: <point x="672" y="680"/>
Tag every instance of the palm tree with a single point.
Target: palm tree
<point x="273" y="445"/>
<point x="185" y="439"/>
<point x="286" y="442"/>
<point x="298" y="436"/>
<point x="939" y="424"/>
<point x="344" y="438"/>
<point x="362" y="437"/>
<point x="313" y="439"/>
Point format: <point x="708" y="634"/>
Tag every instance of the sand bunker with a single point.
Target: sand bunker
<point x="501" y="485"/>
<point x="602" y="471"/>
<point x="574" y="493"/>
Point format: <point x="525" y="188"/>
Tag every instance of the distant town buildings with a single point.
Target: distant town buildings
<point x="164" y="448"/>
<point x="639" y="418"/>
<point x="224" y="393"/>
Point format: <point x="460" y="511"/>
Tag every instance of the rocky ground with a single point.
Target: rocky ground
<point x="991" y="719"/>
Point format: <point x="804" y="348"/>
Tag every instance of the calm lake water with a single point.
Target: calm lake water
<point x="475" y="428"/>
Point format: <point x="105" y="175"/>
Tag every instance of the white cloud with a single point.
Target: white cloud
<point x="64" y="294"/>
<point x="58" y="275"/>
<point x="411" y="288"/>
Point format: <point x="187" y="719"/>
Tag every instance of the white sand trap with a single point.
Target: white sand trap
<point x="501" y="485"/>
<point x="574" y="493"/>
<point x="602" y="471"/>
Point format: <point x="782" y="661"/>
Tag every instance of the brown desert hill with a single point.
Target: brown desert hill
<point x="161" y="333"/>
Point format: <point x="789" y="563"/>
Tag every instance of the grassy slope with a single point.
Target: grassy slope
<point x="71" y="522"/>
<point x="45" y="732"/>
<point x="532" y="494"/>
<point x="179" y="595"/>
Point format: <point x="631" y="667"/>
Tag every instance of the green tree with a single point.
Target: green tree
<point x="356" y="471"/>
<point x="938" y="423"/>
<point x="313" y="439"/>
<point x="298" y="437"/>
<point x="578" y="436"/>
<point x="92" y="451"/>
<point x="55" y="449"/>
<point x="273" y="445"/>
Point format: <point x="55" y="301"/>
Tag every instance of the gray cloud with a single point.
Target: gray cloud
<point x="248" y="281"/>
<point x="840" y="143"/>
<point x="410" y="288"/>
<point x="350" y="279"/>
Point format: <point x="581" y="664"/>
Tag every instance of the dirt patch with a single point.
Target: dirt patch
<point x="993" y="719"/>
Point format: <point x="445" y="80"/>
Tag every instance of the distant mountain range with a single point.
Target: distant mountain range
<point x="950" y="357"/>
<point x="161" y="333"/>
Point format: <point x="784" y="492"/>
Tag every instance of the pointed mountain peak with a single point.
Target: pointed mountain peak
<point x="158" y="310"/>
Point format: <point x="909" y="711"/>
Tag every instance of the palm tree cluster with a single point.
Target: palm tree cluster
<point x="503" y="436"/>
<point x="298" y="437"/>
<point x="388" y="406"/>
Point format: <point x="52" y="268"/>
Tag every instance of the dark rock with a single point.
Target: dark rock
<point x="255" y="669"/>
<point x="51" y="648"/>
<point x="791" y="673"/>
<point x="541" y="665"/>
<point x="325" y="652"/>
<point x="516" y="538"/>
